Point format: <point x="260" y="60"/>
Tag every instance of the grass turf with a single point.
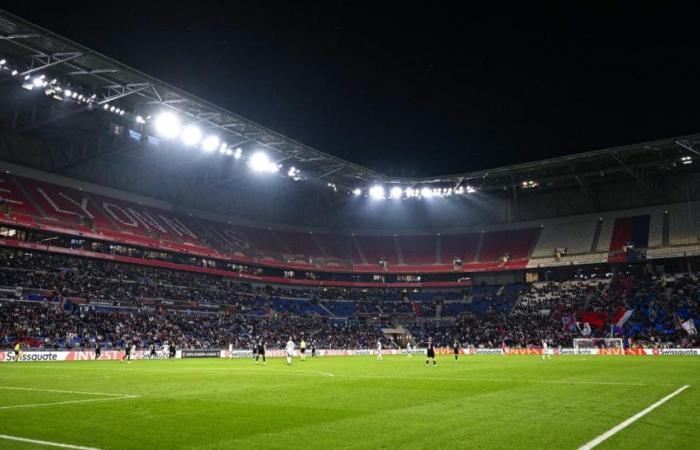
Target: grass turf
<point x="353" y="402"/>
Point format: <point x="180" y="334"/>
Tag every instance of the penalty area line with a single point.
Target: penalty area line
<point x="45" y="443"/>
<point x="60" y="391"/>
<point x="67" y="402"/>
<point x="617" y="428"/>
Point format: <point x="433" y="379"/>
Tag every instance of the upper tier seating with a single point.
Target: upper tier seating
<point x="375" y="248"/>
<point x="576" y="237"/>
<point x="40" y="204"/>
<point x="684" y="224"/>
<point x="458" y="246"/>
<point x="516" y="243"/>
<point x="418" y="250"/>
<point x="15" y="199"/>
<point x="299" y="244"/>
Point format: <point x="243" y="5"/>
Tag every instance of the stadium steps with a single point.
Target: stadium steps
<point x="533" y="245"/>
<point x="596" y="236"/>
<point x="319" y="247"/>
<point x="282" y="245"/>
<point x="356" y="244"/>
<point x="399" y="253"/>
<point x="479" y="246"/>
<point x="29" y="198"/>
<point x="323" y="307"/>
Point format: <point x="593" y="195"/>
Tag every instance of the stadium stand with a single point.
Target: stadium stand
<point x="418" y="250"/>
<point x="517" y="244"/>
<point x="101" y="215"/>
<point x="375" y="248"/>
<point x="575" y="236"/>
<point x="463" y="246"/>
<point x="684" y="224"/>
<point x="57" y="301"/>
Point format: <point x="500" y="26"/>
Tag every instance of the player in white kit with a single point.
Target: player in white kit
<point x="408" y="350"/>
<point x="545" y="350"/>
<point x="290" y="350"/>
<point x="379" y="350"/>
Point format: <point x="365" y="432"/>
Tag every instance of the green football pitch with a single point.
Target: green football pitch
<point x="352" y="402"/>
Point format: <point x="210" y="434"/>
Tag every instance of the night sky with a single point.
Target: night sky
<point x="415" y="89"/>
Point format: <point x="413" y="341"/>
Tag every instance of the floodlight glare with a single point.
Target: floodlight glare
<point x="191" y="135"/>
<point x="238" y="153"/>
<point x="167" y="125"/>
<point x="395" y="192"/>
<point x="426" y="192"/>
<point x="377" y="192"/>
<point x="356" y="192"/>
<point x="259" y="162"/>
<point x="211" y="143"/>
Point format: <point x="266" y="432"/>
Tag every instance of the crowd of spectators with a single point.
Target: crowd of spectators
<point x="113" y="305"/>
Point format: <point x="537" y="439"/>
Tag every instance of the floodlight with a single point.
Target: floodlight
<point x="222" y="148"/>
<point x="356" y="192"/>
<point x="140" y="119"/>
<point x="238" y="153"/>
<point x="471" y="190"/>
<point x="377" y="192"/>
<point x="14" y="73"/>
<point x="191" y="135"/>
<point x="211" y="143"/>
<point x="167" y="125"/>
<point x="2" y="62"/>
<point x="259" y="162"/>
<point x="68" y="93"/>
<point x="105" y="106"/>
<point x="426" y="192"/>
<point x="38" y="81"/>
<point x="395" y="192"/>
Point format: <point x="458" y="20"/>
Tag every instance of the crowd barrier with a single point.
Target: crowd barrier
<point x="89" y="355"/>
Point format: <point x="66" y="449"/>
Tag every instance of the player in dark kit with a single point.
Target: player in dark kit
<point x="455" y="348"/>
<point x="430" y="353"/>
<point x="98" y="351"/>
<point x="152" y="353"/>
<point x="127" y="352"/>
<point x="173" y="351"/>
<point x="261" y="352"/>
<point x="313" y="350"/>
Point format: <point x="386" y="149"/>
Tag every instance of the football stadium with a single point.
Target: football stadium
<point x="175" y="275"/>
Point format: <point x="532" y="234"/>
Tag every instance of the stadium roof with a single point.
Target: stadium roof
<point x="112" y="80"/>
<point x="36" y="49"/>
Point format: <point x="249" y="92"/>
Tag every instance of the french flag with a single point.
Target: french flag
<point x="622" y="316"/>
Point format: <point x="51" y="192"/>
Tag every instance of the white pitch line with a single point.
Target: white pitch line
<point x="45" y="443"/>
<point x="603" y="437"/>
<point x="60" y="391"/>
<point x="67" y="402"/>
